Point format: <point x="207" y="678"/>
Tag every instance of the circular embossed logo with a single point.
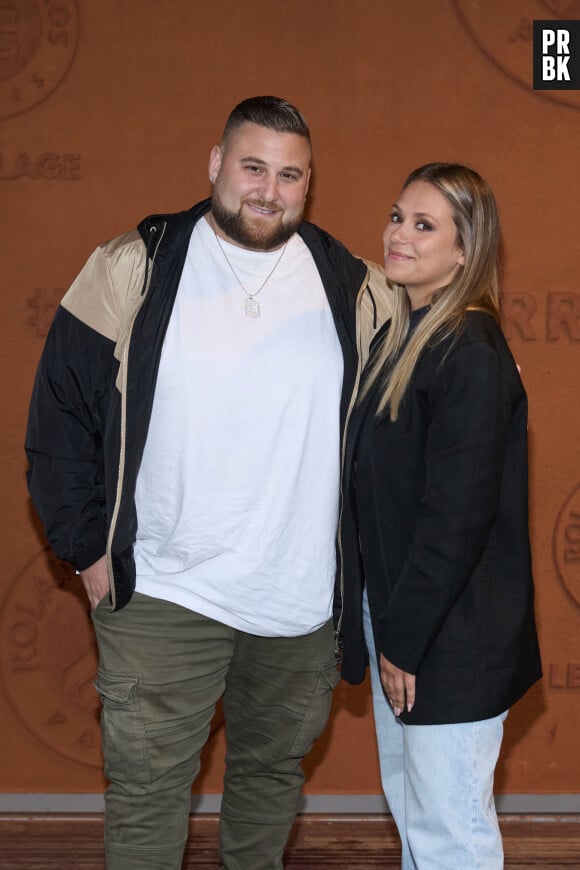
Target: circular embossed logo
<point x="567" y="545"/>
<point x="506" y="37"/>
<point x="38" y="39"/>
<point x="48" y="659"/>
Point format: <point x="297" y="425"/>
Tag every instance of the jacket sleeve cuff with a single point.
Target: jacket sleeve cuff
<point x="88" y="553"/>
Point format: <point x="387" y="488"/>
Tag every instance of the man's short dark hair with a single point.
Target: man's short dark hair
<point x="271" y="112"/>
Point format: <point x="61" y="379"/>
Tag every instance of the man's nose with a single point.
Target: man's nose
<point x="268" y="188"/>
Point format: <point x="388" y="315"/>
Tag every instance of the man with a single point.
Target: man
<point x="184" y="444"/>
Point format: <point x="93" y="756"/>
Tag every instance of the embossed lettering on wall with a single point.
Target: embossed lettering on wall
<point x="43" y="303"/>
<point x="522" y="320"/>
<point x="48" y="660"/>
<point x="564" y="675"/>
<point x="506" y="39"/>
<point x="38" y="40"/>
<point x="49" y="166"/>
<point x="566" y="545"/>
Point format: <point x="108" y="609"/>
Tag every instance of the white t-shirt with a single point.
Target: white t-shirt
<point x="237" y="494"/>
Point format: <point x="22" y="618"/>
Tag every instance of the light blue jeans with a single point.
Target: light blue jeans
<point x="438" y="782"/>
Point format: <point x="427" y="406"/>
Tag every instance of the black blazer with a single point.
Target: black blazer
<point x="439" y="505"/>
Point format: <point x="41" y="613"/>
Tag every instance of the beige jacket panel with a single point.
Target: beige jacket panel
<point x="107" y="291"/>
<point x="382" y="296"/>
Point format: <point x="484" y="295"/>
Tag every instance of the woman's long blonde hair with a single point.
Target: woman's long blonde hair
<point x="476" y="284"/>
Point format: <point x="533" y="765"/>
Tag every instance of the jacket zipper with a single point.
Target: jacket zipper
<point x="122" y="448"/>
<point x="358" y="329"/>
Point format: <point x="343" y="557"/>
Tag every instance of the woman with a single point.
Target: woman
<point x="434" y="529"/>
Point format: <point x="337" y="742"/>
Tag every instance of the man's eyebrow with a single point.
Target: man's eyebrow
<point x="253" y="160"/>
<point x="256" y="160"/>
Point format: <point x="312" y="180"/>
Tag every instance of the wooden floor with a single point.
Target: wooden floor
<point x="74" y="842"/>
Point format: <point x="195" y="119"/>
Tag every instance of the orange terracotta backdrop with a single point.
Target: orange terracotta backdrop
<point x="108" y="112"/>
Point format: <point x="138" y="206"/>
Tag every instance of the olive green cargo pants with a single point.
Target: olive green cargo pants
<point x="162" y="670"/>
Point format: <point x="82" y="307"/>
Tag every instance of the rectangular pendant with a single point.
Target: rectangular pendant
<point x="252" y="308"/>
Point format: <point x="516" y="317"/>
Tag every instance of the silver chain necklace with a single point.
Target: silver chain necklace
<point x="252" y="304"/>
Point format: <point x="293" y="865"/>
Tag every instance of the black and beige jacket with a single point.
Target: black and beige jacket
<point x="94" y="388"/>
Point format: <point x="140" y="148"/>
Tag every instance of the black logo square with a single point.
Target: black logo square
<point x="556" y="55"/>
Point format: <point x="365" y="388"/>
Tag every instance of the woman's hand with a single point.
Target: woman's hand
<point x="399" y="686"/>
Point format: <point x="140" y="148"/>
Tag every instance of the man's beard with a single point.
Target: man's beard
<point x="244" y="232"/>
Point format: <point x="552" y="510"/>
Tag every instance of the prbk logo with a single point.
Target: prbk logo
<point x="506" y="38"/>
<point x="556" y="55"/>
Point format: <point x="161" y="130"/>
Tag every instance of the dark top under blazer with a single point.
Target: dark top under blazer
<point x="440" y="506"/>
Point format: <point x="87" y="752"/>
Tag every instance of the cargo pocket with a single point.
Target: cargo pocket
<point x="123" y="729"/>
<point x="318" y="710"/>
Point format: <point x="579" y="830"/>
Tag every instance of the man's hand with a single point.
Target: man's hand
<point x="399" y="686"/>
<point x="96" y="581"/>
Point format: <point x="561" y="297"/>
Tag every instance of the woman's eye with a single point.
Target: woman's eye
<point x="395" y="218"/>
<point x="423" y="225"/>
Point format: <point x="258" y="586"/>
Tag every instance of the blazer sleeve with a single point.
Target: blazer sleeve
<point x="67" y="417"/>
<point x="464" y="456"/>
